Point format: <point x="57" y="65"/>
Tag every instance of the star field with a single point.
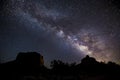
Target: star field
<point x="60" y="29"/>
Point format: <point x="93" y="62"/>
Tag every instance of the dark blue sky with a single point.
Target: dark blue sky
<point x="60" y="29"/>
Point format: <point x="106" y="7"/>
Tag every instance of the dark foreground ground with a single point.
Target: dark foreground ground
<point x="23" y="68"/>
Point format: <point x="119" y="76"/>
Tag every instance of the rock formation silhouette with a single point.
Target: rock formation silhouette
<point x="30" y="66"/>
<point x="29" y="63"/>
<point x="30" y="59"/>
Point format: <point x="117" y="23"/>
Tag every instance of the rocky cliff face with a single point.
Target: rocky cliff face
<point x="30" y="59"/>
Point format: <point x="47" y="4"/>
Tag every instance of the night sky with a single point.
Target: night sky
<point x="60" y="29"/>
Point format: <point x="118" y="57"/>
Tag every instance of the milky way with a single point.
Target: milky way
<point x="60" y="29"/>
